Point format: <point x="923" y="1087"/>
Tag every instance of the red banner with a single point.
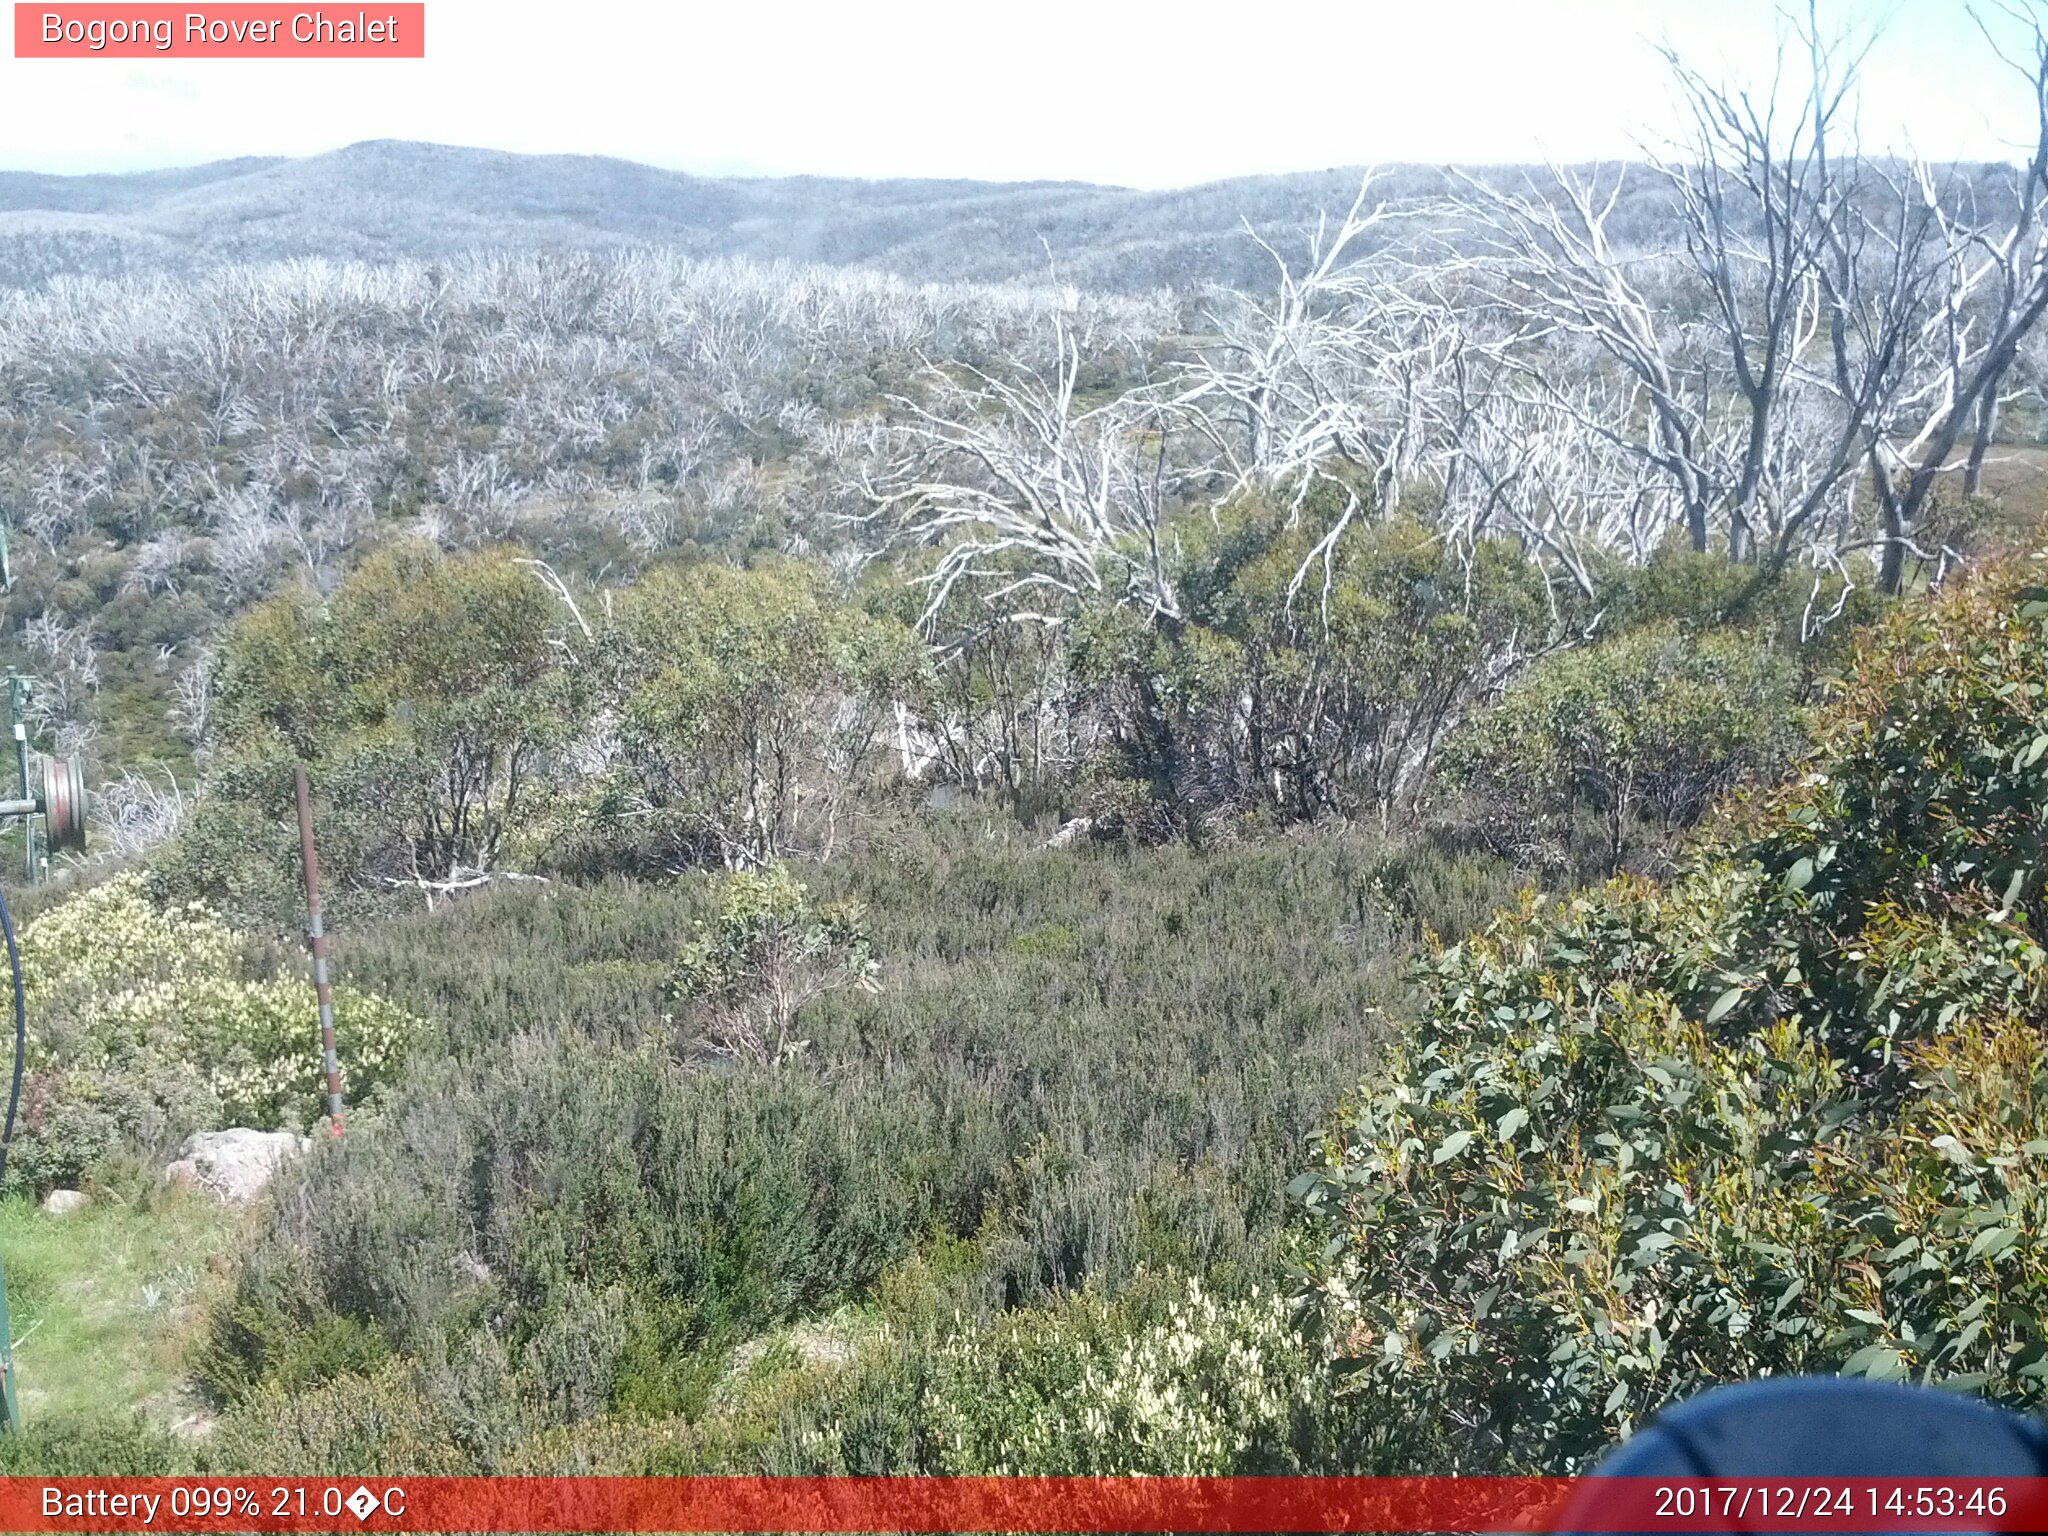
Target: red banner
<point x="1049" y="1504"/>
<point x="223" y="31"/>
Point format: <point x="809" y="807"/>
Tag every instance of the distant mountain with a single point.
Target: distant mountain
<point x="390" y="198"/>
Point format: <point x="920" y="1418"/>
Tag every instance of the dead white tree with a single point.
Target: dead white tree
<point x="191" y="708"/>
<point x="1332" y="377"/>
<point x="1761" y="205"/>
<point x="1527" y="465"/>
<point x="1279" y="394"/>
<point x="1822" y="321"/>
<point x="1028" y="494"/>
<point x="1580" y="308"/>
<point x="1993" y="294"/>
<point x="1721" y="333"/>
<point x="135" y="814"/>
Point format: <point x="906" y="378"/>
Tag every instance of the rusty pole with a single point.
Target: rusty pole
<point x="316" y="940"/>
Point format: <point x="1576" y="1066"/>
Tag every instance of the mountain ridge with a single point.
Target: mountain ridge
<point x="382" y="199"/>
<point x="386" y="199"/>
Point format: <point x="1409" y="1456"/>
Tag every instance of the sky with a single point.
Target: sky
<point x="1132" y="92"/>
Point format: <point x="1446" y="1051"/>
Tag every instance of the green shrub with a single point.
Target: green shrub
<point x="1276" y="702"/>
<point x="1164" y="1378"/>
<point x="1642" y="734"/>
<point x="1054" y="941"/>
<point x="1206" y="1387"/>
<point x="768" y="952"/>
<point x="1813" y="617"/>
<point x="750" y="707"/>
<point x="145" y="1025"/>
<point x="98" y="1447"/>
<point x="460" y="1417"/>
<point x="1786" y="1116"/>
<point x="577" y="1185"/>
<point x="427" y="695"/>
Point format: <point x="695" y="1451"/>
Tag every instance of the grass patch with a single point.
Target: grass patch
<point x="106" y="1304"/>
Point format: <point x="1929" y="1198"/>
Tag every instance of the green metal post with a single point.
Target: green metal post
<point x="10" y="1405"/>
<point x="17" y="700"/>
<point x="17" y="714"/>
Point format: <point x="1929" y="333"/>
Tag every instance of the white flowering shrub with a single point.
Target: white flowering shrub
<point x="145" y="1025"/>
<point x="1209" y="1388"/>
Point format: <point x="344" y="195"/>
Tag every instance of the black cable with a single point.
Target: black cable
<point x="20" y="1033"/>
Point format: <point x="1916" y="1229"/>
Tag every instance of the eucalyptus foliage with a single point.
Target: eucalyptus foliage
<point x="748" y="708"/>
<point x="1787" y="1114"/>
<point x="1638" y="733"/>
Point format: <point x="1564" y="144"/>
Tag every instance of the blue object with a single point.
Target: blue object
<point x="1832" y="1426"/>
<point x="1824" y="1426"/>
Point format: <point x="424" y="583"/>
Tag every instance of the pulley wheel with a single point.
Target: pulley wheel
<point x="64" y="802"/>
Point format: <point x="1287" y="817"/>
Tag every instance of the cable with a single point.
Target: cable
<point x="20" y="1033"/>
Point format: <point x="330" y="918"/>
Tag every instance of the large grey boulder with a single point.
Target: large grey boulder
<point x="62" y="1202"/>
<point x="233" y="1165"/>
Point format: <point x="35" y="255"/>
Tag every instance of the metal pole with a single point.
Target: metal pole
<point x="316" y="940"/>
<point x="10" y="1400"/>
<point x="17" y="702"/>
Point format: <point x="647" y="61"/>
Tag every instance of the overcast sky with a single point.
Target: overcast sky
<point x="1128" y="91"/>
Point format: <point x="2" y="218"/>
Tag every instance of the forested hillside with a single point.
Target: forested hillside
<point x="1381" y="845"/>
<point x="392" y="200"/>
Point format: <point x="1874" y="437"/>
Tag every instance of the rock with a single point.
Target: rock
<point x="62" y="1202"/>
<point x="1072" y="832"/>
<point x="233" y="1165"/>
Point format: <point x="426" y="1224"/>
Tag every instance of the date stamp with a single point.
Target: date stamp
<point x="1821" y="1502"/>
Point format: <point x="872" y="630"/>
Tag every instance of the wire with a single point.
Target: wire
<point x="20" y="1032"/>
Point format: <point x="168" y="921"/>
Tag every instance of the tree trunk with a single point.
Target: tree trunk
<point x="1740" y="546"/>
<point x="1987" y="429"/>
